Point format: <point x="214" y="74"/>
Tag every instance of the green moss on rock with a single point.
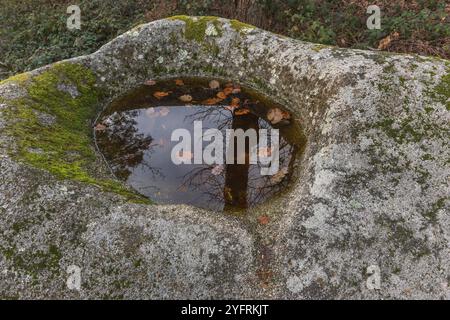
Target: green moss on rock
<point x="68" y="94"/>
<point x="196" y="26"/>
<point x="240" y="26"/>
<point x="442" y="91"/>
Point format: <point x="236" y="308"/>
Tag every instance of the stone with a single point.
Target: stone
<point x="371" y="193"/>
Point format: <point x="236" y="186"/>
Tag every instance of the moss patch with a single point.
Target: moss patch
<point x="442" y="91"/>
<point x="196" y="26"/>
<point x="64" y="146"/>
<point x="240" y="26"/>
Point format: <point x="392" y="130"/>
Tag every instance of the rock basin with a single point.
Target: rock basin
<point x="372" y="191"/>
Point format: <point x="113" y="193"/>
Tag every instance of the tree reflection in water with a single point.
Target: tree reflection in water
<point x="136" y="143"/>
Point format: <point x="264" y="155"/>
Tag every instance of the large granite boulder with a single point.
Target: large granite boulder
<point x="370" y="201"/>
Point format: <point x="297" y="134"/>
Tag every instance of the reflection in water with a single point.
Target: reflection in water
<point x="134" y="135"/>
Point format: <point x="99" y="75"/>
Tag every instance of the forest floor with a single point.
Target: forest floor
<point x="33" y="33"/>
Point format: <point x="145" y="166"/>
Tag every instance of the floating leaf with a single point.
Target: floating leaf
<point x="100" y="127"/>
<point x="184" y="155"/>
<point x="265" y="152"/>
<point x="214" y="84"/>
<point x="241" y="112"/>
<point x="279" y="176"/>
<point x="151" y="113"/>
<point x="164" y="111"/>
<point x="212" y="101"/>
<point x="275" y="115"/>
<point x="263" y="219"/>
<point x="221" y="95"/>
<point x="230" y="108"/>
<point x="150" y="82"/>
<point x="227" y="91"/>
<point x="160" y="94"/>
<point x="235" y="102"/>
<point x="185" y="98"/>
<point x="179" y="82"/>
<point x="217" y="170"/>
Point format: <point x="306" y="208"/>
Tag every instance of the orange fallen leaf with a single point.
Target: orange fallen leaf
<point x="211" y="101"/>
<point x="185" y="98"/>
<point x="214" y="84"/>
<point x="150" y="82"/>
<point x="221" y="95"/>
<point x="241" y="112"/>
<point x="179" y="82"/>
<point x="263" y="220"/>
<point x="160" y="94"/>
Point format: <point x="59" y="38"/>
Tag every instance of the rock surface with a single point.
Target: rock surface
<point x="372" y="190"/>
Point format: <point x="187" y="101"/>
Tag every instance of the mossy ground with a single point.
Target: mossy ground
<point x="63" y="147"/>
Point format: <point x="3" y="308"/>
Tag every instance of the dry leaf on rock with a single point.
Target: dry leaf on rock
<point x="179" y="82"/>
<point x="100" y="127"/>
<point x="263" y="219"/>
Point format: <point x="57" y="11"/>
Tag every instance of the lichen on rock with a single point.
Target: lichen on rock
<point x="371" y="190"/>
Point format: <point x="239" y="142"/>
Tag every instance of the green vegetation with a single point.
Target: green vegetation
<point x="33" y="33"/>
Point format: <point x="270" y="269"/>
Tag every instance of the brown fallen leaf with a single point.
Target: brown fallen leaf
<point x="236" y="90"/>
<point x="228" y="90"/>
<point x="179" y="82"/>
<point x="386" y="42"/>
<point x="241" y="112"/>
<point x="185" y="98"/>
<point x="263" y="219"/>
<point x="214" y="84"/>
<point x="229" y="85"/>
<point x="221" y="95"/>
<point x="160" y="94"/>
<point x="235" y="102"/>
<point x="150" y="82"/>
<point x="279" y="176"/>
<point x="100" y="127"/>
